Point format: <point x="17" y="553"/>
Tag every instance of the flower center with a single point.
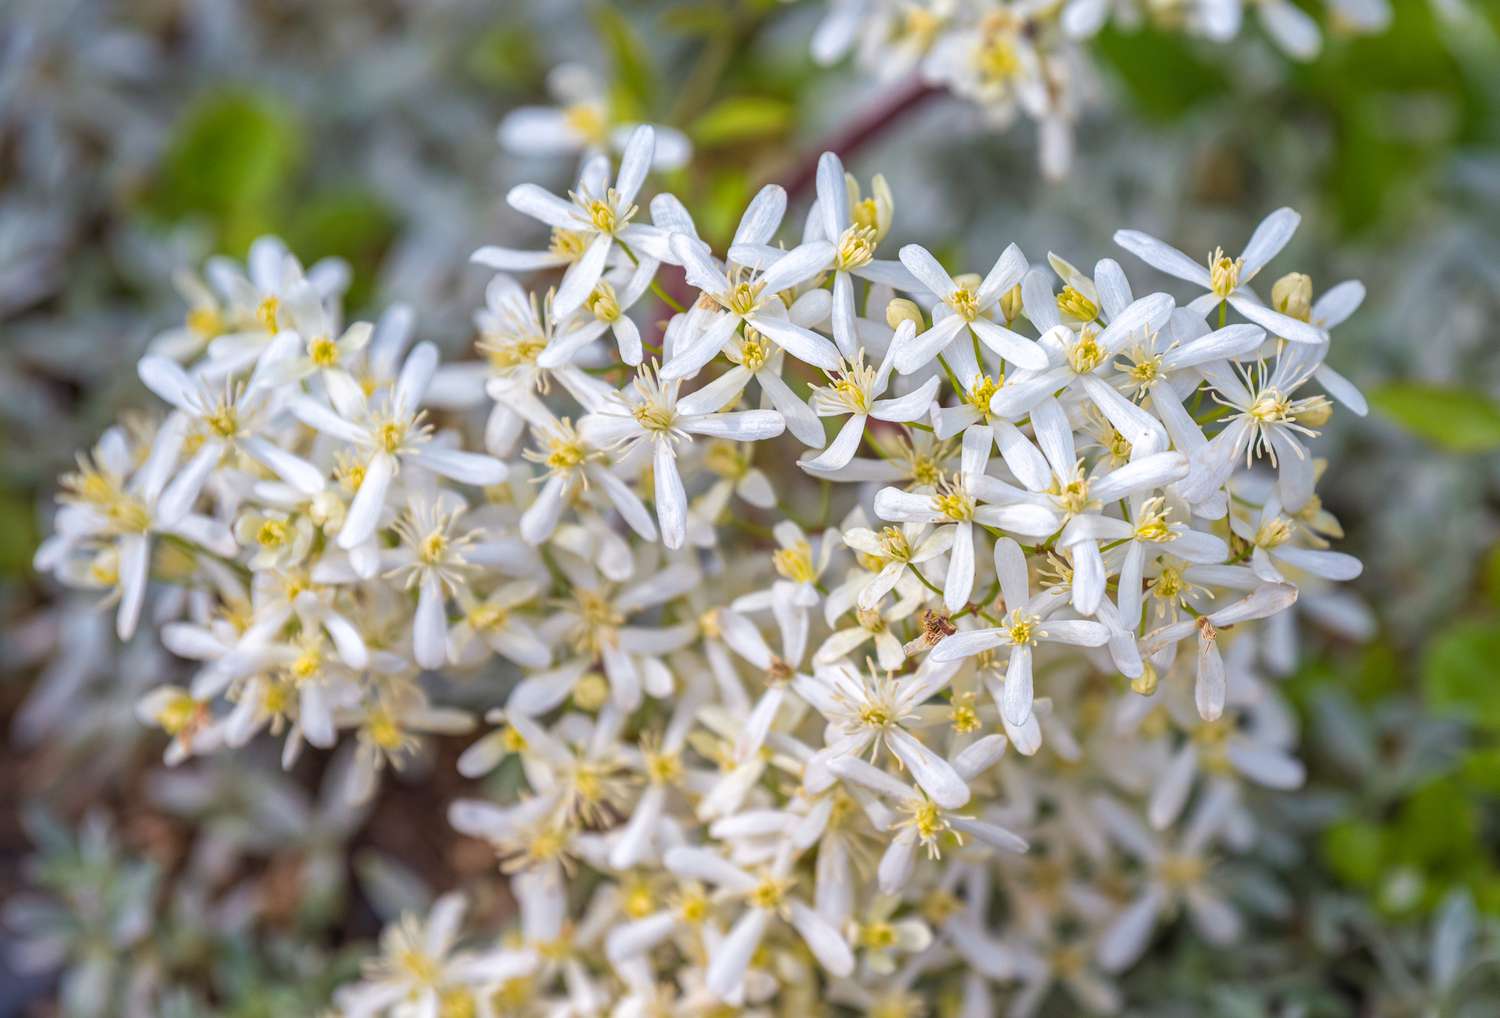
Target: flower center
<point x="769" y="892"/>
<point x="1075" y="304"/>
<point x="1086" y="354"/>
<point x="1023" y="629"/>
<point x="964" y="302"/>
<point x="1073" y="496"/>
<point x="265" y="313"/>
<point x="654" y="418"/>
<point x="587" y="119"/>
<point x="568" y="244"/>
<point x="324" y="352"/>
<point x="744" y="298"/>
<point x="1273" y="533"/>
<point x="953" y="501"/>
<point x="206" y="322"/>
<point x="390" y="435"/>
<point x="856" y="248"/>
<point x="1153" y="525"/>
<point x="1224" y="272"/>
<point x="981" y="392"/>
<point x="795" y="563"/>
<point x="603" y="303"/>
<point x="963" y="717"/>
<point x="273" y="534"/>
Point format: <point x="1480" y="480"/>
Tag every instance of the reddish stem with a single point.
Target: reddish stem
<point x="854" y="137"/>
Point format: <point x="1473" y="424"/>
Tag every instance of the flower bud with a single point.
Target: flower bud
<point x="902" y="310"/>
<point x="1292" y="295"/>
<point x="1145" y="683"/>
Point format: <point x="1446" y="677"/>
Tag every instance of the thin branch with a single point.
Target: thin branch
<point x="859" y="133"/>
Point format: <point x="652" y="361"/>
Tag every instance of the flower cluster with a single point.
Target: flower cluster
<point x="1013" y="57"/>
<point x="851" y="597"/>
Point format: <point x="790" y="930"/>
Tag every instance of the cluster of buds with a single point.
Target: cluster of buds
<point x="859" y="632"/>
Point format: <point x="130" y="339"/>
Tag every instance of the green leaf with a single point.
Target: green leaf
<point x="635" y="81"/>
<point x="18" y="533"/>
<point x="1161" y="71"/>
<point x="230" y="160"/>
<point x="1459" y="674"/>
<point x="1355" y="851"/>
<point x="348" y="223"/>
<point x="1455" y="418"/>
<point x="505" y="55"/>
<point x="1437" y="828"/>
<point x="741" y="118"/>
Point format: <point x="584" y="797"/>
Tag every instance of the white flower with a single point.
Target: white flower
<point x="1027" y="623"/>
<point x="1211" y="685"/>
<point x="581" y="123"/>
<point x="391" y="431"/>
<point x="854" y="237"/>
<point x="1080" y="363"/>
<point x="653" y="416"/>
<point x="587" y="226"/>
<point x="868" y="712"/>
<point x="420" y="973"/>
<point x="765" y="897"/>
<point x="853" y="390"/>
<point x="746" y="297"/>
<point x="957" y="504"/>
<point x="964" y="311"/>
<point x="896" y="549"/>
<point x="112" y="514"/>
<point x="432" y="558"/>
<point x="230" y="418"/>
<point x="1178" y="873"/>
<point x="1227" y="279"/>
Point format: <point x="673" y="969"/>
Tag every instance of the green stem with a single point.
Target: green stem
<point x="925" y="582"/>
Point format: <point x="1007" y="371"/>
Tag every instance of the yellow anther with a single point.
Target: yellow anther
<point x="1224" y="272"/>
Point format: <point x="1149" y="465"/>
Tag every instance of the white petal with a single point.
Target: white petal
<point x="1163" y="256"/>
<point x="936" y="776"/>
<point x="731" y="958"/>
<point x="823" y="940"/>
<point x="430" y="628"/>
<point x="928" y="271"/>
<point x="364" y="511"/>
<point x="1017" y="703"/>
<point x="671" y="500"/>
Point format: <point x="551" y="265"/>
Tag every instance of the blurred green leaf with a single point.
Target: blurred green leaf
<point x="741" y="118"/>
<point x="1354" y="850"/>
<point x="728" y="194"/>
<point x="1459" y="672"/>
<point x="1454" y="418"/>
<point x="505" y="55"/>
<point x="1161" y="70"/>
<point x="230" y="160"/>
<point x="18" y="534"/>
<point x="1481" y="769"/>
<point x="347" y="223"/>
<point x="1437" y="827"/>
<point x="635" y="81"/>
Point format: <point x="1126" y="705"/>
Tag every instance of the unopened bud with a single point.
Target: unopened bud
<point x="1010" y="303"/>
<point x="1145" y="683"/>
<point x="902" y="310"/>
<point x="1292" y="295"/>
<point x="1315" y="413"/>
<point x="591" y="692"/>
